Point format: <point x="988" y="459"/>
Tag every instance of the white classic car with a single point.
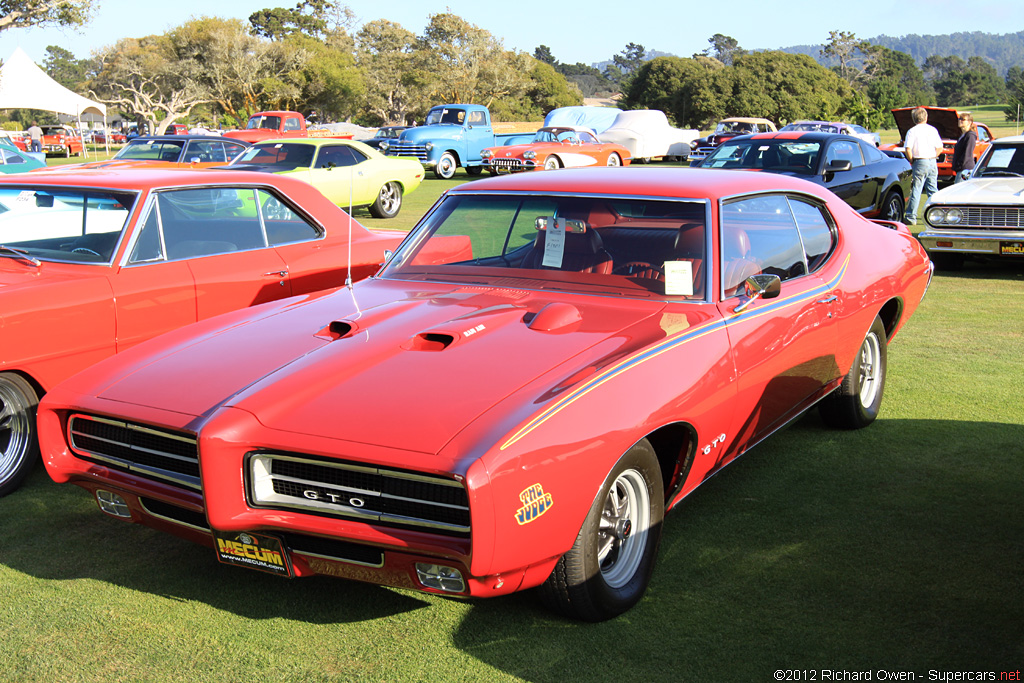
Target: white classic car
<point x="982" y="216"/>
<point x="646" y="133"/>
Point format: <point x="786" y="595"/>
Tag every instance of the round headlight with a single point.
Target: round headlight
<point x="487" y="154"/>
<point x="529" y="154"/>
<point x="954" y="216"/>
<point x="429" y="146"/>
<point x="935" y="216"/>
<point x="384" y="145"/>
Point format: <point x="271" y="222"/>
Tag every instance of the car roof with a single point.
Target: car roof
<point x="745" y="119"/>
<point x="178" y="138"/>
<point x="690" y="183"/>
<point x="807" y="135"/>
<point x="137" y="178"/>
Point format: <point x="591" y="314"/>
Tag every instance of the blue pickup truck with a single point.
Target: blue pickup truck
<point x="452" y="135"/>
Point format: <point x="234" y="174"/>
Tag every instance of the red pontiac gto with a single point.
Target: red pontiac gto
<point x="93" y="262"/>
<point x="556" y="147"/>
<point x="519" y="415"/>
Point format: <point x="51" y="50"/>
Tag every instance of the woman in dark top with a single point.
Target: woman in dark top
<point x="963" y="152"/>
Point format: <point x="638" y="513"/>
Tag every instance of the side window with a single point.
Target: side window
<point x="844" y="150"/>
<point x="206" y="221"/>
<point x="11" y="157"/>
<point x="982" y="135"/>
<point x="759" y="235"/>
<point x="149" y="245"/>
<point x="291" y="124"/>
<point x="338" y="155"/>
<point x="284" y="226"/>
<point x="815" y="230"/>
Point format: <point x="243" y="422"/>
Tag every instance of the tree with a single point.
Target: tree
<point x="145" y="78"/>
<point x="957" y="82"/>
<point x="26" y="13"/>
<point x="692" y="92"/>
<point x="1014" y="93"/>
<point x="723" y="48"/>
<point x="625" y="63"/>
<point x="786" y="87"/>
<point x="893" y="79"/>
<point x="543" y="53"/>
<point x="62" y="67"/>
<point x="315" y="18"/>
<point x="844" y="47"/>
<point x="386" y="56"/>
<point x="240" y="73"/>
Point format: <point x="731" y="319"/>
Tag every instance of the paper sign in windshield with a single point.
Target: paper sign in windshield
<point x="554" y="243"/>
<point x="678" y="278"/>
<point x="1001" y="157"/>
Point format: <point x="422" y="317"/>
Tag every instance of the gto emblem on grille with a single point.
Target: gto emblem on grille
<point x="334" y="498"/>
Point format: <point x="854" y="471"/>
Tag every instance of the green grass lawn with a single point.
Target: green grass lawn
<point x="899" y="548"/>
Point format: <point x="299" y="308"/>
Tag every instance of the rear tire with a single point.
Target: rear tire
<point x="608" y="568"/>
<point x="614" y="159"/>
<point x="892" y="207"/>
<point x="389" y="201"/>
<point x="855" y="404"/>
<point x="19" y="448"/>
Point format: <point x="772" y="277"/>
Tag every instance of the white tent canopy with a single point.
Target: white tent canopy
<point x="23" y="85"/>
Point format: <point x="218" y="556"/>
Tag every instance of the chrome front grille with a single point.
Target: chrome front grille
<point x="407" y="149"/>
<point x="146" y="451"/>
<point x="378" y="495"/>
<point x="991" y="217"/>
<point x="506" y="165"/>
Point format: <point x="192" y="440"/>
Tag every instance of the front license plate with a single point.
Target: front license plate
<point x="255" y="551"/>
<point x="1011" y="248"/>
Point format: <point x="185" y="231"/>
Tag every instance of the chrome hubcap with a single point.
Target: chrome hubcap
<point x="870" y="353"/>
<point x="622" y="536"/>
<point x="14" y="429"/>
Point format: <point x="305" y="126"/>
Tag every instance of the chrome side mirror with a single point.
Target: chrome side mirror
<point x="761" y="286"/>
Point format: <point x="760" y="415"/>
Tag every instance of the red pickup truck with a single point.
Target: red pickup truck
<point x="266" y="125"/>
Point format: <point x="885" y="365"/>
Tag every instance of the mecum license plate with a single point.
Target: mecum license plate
<point x="1011" y="248"/>
<point x="254" y="551"/>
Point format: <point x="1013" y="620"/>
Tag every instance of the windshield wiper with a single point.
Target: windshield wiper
<point x="999" y="172"/>
<point x="11" y="252"/>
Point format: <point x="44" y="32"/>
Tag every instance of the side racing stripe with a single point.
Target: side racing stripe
<point x="670" y="344"/>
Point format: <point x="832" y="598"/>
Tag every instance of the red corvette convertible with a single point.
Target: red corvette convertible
<point x="520" y="414"/>
<point x="93" y="262"/>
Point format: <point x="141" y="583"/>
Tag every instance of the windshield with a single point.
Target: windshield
<point x="268" y="122"/>
<point x="57" y="224"/>
<point x="444" y="115"/>
<point x="151" y="150"/>
<point x="556" y="135"/>
<point x="734" y="127"/>
<point x="609" y="246"/>
<point x="811" y="127"/>
<point x="284" y="155"/>
<point x="778" y="155"/>
<point x="1002" y="159"/>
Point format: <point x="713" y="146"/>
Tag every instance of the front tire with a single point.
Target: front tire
<point x="446" y="166"/>
<point x="614" y="159"/>
<point x="19" y="448"/>
<point x="474" y="170"/>
<point x="552" y="164"/>
<point x="855" y="404"/>
<point x="608" y="568"/>
<point x="389" y="201"/>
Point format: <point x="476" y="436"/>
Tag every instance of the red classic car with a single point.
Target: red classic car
<point x="945" y="121"/>
<point x="555" y="147"/>
<point x="62" y="140"/>
<point x="93" y="262"/>
<point x="519" y="415"/>
<point x="116" y="137"/>
<point x="171" y="151"/>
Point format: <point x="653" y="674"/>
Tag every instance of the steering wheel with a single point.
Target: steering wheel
<point x="84" y="250"/>
<point x="640" y="269"/>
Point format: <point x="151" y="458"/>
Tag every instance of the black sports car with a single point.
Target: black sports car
<point x="873" y="183"/>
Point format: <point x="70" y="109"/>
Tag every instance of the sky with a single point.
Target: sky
<point x="586" y="32"/>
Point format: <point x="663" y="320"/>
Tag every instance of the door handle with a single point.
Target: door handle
<point x="276" y="273"/>
<point x="828" y="300"/>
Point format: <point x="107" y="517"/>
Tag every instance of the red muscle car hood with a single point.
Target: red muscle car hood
<point x="386" y="365"/>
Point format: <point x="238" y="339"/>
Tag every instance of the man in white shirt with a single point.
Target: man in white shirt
<point x="922" y="147"/>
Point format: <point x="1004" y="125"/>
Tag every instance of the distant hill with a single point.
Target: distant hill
<point x="1001" y="51"/>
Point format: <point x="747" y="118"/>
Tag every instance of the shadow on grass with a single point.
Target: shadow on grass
<point x="56" y="533"/>
<point x="987" y="269"/>
<point x="895" y="547"/>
